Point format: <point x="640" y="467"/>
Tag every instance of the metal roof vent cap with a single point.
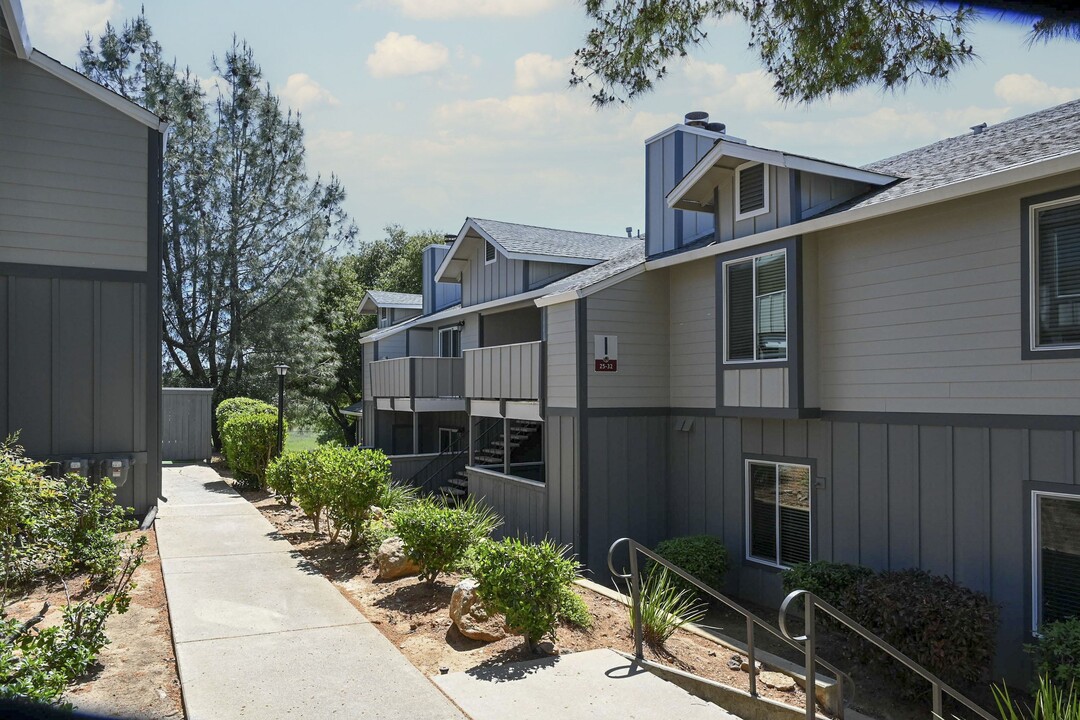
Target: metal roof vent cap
<point x="716" y="127"/>
<point x="977" y="129"/>
<point x="697" y="118"/>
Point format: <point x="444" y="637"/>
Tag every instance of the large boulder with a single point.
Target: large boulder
<point x="393" y="561"/>
<point x="470" y="617"/>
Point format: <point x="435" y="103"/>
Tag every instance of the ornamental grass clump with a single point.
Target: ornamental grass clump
<point x="437" y="537"/>
<point x="1051" y="702"/>
<point x="665" y="607"/>
<point x="526" y="583"/>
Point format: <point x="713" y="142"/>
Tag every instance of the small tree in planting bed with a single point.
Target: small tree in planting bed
<point x="436" y="537"/>
<point x="356" y="479"/>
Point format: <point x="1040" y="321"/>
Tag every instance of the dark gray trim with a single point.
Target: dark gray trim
<point x="525" y="275"/>
<point x="479" y="330"/>
<point x="408" y="352"/>
<point x="649" y="254"/>
<point x="62" y="272"/>
<point x="1021" y="422"/>
<point x="1026" y="352"/>
<point x="753" y="364"/>
<point x="561" y="412"/>
<point x="795" y="188"/>
<point x="794" y="330"/>
<point x="375" y="351"/>
<point x="154" y="322"/>
<point x="583" y="428"/>
<point x="677" y="241"/>
<point x="769" y="413"/>
<point x="718" y="336"/>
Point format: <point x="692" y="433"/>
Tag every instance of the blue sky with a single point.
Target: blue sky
<point x="433" y="110"/>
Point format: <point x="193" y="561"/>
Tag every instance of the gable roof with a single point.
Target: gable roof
<point x="12" y="15"/>
<point x="529" y="242"/>
<point x="627" y="263"/>
<point x="386" y="299"/>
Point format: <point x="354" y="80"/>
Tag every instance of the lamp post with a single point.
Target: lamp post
<point x="281" y="370"/>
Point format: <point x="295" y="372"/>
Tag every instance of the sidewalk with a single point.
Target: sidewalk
<point x="257" y="635"/>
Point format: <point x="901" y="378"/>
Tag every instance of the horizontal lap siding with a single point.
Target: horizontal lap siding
<point x="562" y="355"/>
<point x="72" y="175"/>
<point x="636" y="311"/>
<point x="921" y="313"/>
<point x="692" y="355"/>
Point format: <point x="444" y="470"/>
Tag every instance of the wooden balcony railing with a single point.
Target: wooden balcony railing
<point x="504" y="372"/>
<point x="420" y="377"/>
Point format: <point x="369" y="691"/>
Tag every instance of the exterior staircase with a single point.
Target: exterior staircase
<point x="522" y="433"/>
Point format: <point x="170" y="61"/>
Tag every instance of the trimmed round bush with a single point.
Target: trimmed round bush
<point x="230" y="407"/>
<point x="354" y="480"/>
<point x="437" y="537"/>
<point x="1057" y="652"/>
<point x="290" y="468"/>
<point x="703" y="556"/>
<point x="250" y="443"/>
<point x="525" y="582"/>
<point x="832" y="582"/>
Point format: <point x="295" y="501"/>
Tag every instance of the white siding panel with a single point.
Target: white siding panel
<point x="73" y="173"/>
<point x="562" y="355"/>
<point x="920" y="312"/>
<point x="692" y="293"/>
<point x="636" y="311"/>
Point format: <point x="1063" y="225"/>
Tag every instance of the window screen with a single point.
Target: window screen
<point x="1057" y="555"/>
<point x="1058" y="275"/>
<point x="778" y="513"/>
<point x="757" y="308"/>
<point x="489" y="253"/>
<point x="751" y="189"/>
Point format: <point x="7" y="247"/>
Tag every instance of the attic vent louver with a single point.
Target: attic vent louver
<point x="976" y="129"/>
<point x="489" y="253"/>
<point x="751" y="183"/>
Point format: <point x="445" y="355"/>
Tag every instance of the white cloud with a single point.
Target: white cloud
<point x="213" y="86"/>
<point x="453" y="9"/>
<point x="301" y="92"/>
<point x="396" y="55"/>
<point x="59" y="27"/>
<point x="749" y="91"/>
<point x="1026" y="89"/>
<point x="537" y="71"/>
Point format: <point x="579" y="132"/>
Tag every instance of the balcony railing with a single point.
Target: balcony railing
<point x="504" y="372"/>
<point x="418" y="377"/>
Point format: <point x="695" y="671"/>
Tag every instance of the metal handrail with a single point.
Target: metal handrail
<point x="812" y="603"/>
<point x="454" y="456"/>
<point x="752" y="620"/>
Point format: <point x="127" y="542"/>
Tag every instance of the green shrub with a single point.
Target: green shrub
<point x="665" y="607"/>
<point x="946" y="628"/>
<point x="1057" y="652"/>
<point x="1051" y="702"/>
<point x="250" y="443"/>
<point x="525" y="582"/>
<point x="394" y="495"/>
<point x="354" y="480"/>
<point x="573" y="610"/>
<point x="313" y="490"/>
<point x="703" y="556"/>
<point x="832" y="582"/>
<point x="436" y="537"/>
<point x="231" y="407"/>
<point x="291" y="467"/>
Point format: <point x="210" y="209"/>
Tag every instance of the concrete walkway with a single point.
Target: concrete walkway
<point x="259" y="636"/>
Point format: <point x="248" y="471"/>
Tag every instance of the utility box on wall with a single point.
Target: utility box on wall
<point x="117" y="470"/>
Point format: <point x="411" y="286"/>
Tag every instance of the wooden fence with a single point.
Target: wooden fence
<point x="185" y="423"/>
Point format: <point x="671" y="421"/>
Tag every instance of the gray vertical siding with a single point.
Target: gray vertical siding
<point x="562" y="453"/>
<point x="561" y="344"/>
<point x="818" y="193"/>
<point x="543" y="273"/>
<point x="481" y="282"/>
<point x="522" y="504"/>
<point x="73" y="181"/>
<point x="779" y="214"/>
<point x="667" y="160"/>
<point x="692" y="350"/>
<point x="509" y="372"/>
<point x="437" y="296"/>
<point x="392" y="347"/>
<point x="757" y="387"/>
<point x="185" y="423"/>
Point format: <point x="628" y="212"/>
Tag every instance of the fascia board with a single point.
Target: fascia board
<point x="16" y="22"/>
<point x="984" y="183"/>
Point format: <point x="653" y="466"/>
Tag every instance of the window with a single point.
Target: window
<point x="450" y="440"/>
<point x="756" y="308"/>
<point x="450" y="342"/>
<point x="751" y="190"/>
<point x="489" y="253"/>
<point x="384" y="317"/>
<point x="1055" y="262"/>
<point x="777" y="513"/>
<point x="1055" y="557"/>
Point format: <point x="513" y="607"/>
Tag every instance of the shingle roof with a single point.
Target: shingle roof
<point x="385" y="297"/>
<point x="531" y="240"/>
<point x="1039" y="136"/>
<point x="630" y="257"/>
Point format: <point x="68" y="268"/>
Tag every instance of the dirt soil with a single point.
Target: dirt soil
<point x="417" y="620"/>
<point x="135" y="674"/>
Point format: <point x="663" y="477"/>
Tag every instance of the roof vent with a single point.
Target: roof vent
<point x="697" y="118"/>
<point x="629" y="231"/>
<point x="977" y="129"/>
<point x="716" y="127"/>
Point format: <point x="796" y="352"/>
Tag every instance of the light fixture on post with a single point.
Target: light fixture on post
<point x="281" y="369"/>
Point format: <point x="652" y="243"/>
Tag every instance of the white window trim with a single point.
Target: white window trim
<point x="454" y="431"/>
<point x="746" y="511"/>
<point x="738" y="192"/>
<point x="451" y="329"/>
<point x="1033" y="270"/>
<point x="494" y="255"/>
<point x="1036" y="568"/>
<point x="727" y="323"/>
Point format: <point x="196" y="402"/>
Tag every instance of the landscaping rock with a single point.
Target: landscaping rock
<point x="392" y="560"/>
<point x="377" y="513"/>
<point x="745" y="666"/>
<point x="469" y="615"/>
<point x="777" y="681"/>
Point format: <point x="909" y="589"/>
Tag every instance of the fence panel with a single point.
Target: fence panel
<point x="185" y="423"/>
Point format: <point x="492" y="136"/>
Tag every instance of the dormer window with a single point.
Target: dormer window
<point x="489" y="253"/>
<point x="751" y="190"/>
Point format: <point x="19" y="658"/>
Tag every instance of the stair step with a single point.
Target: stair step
<point x="453" y="491"/>
<point x="458" y="483"/>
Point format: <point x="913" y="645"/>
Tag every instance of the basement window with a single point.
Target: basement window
<point x="777" y="513"/>
<point x="756" y="308"/>
<point x="489" y="253"/>
<point x="1055" y="557"/>
<point x="751" y="190"/>
<point x="1055" y="265"/>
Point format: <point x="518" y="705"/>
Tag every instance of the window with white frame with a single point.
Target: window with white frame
<point x="384" y="317"/>
<point x="1055" y="263"/>
<point x="756" y="308"/>
<point x="450" y="440"/>
<point x="1055" y="557"/>
<point x="489" y="253"/>
<point x="450" y="342"/>
<point x="777" y="513"/>
<point x="751" y="190"/>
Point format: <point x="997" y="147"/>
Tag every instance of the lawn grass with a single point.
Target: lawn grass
<point x="301" y="440"/>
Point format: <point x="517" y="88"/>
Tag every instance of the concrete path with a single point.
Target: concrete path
<point x="259" y="636"/>
<point x="592" y="685"/>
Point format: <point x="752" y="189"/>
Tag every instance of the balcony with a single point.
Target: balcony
<point x="419" y="384"/>
<point x="505" y="380"/>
